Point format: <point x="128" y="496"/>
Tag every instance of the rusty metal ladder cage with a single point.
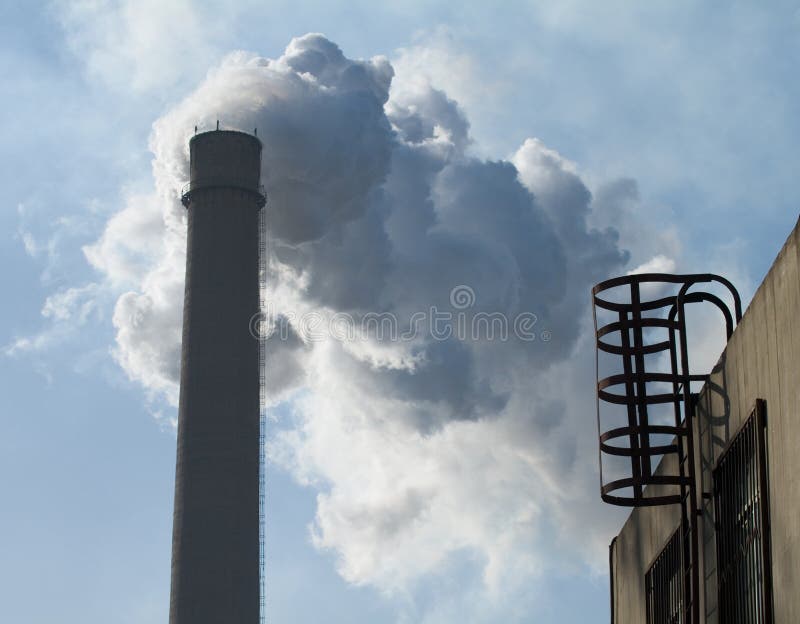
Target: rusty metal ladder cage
<point x="648" y="323"/>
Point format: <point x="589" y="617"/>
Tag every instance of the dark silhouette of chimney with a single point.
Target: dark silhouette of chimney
<point x="215" y="543"/>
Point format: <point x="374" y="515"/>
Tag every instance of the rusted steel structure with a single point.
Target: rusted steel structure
<point x="640" y="322"/>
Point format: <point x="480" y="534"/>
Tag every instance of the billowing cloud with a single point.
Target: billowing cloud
<point x="425" y="441"/>
<point x="145" y="45"/>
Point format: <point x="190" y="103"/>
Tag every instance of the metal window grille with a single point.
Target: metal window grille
<point x="665" y="585"/>
<point x="742" y="522"/>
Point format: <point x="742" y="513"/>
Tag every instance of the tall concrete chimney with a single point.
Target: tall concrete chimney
<point x="215" y="540"/>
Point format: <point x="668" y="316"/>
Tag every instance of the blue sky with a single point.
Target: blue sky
<point x="679" y="120"/>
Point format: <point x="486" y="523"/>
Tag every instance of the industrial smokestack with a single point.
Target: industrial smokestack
<point x="215" y="541"/>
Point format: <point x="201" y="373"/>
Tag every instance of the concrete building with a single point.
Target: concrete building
<point x="738" y="503"/>
<point x="215" y="547"/>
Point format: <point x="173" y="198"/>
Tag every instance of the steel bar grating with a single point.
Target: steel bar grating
<point x="664" y="585"/>
<point x="743" y="560"/>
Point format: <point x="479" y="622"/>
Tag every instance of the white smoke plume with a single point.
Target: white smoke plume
<point x="421" y="449"/>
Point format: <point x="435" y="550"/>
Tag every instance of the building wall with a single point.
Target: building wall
<point x="760" y="361"/>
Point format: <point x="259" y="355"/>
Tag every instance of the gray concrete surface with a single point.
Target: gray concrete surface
<point x="215" y="567"/>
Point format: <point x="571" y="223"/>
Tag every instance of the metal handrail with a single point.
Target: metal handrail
<point x="194" y="185"/>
